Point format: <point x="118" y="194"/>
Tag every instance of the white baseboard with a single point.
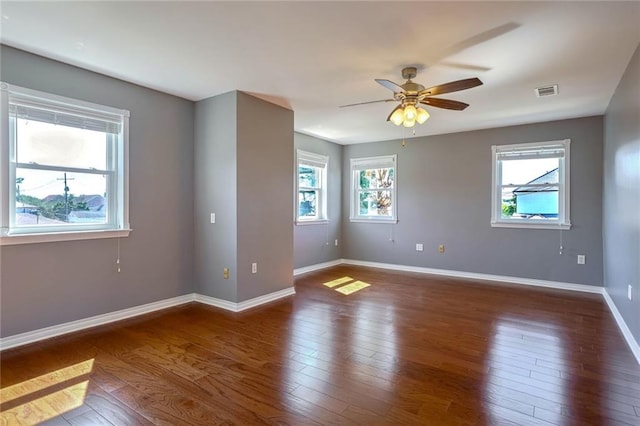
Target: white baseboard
<point x="622" y="325"/>
<point x="247" y="304"/>
<point x="317" y="267"/>
<point x="478" y="276"/>
<point x="70" y="327"/>
<point x="218" y="303"/>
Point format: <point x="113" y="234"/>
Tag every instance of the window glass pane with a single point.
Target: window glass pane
<point x="307" y="203"/>
<point x="517" y="172"/>
<point x="43" y="199"/>
<point x="376" y="178"/>
<point x="308" y="176"/>
<point x="375" y="203"/>
<point x="55" y="145"/>
<point x="530" y="203"/>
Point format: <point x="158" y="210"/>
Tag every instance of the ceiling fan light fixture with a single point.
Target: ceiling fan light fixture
<point x="409" y="95"/>
<point x="410" y="113"/>
<point x="397" y="117"/>
<point x="422" y="115"/>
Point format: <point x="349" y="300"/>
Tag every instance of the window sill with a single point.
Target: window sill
<point x="8" y="240"/>
<point x="366" y="220"/>
<point x="312" y="222"/>
<point x="536" y="225"/>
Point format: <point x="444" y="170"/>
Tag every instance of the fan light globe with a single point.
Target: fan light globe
<point x="410" y="113"/>
<point x="397" y="117"/>
<point x="422" y="115"/>
<point x="409" y="123"/>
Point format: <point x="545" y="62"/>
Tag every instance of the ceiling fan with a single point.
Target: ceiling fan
<point x="411" y="95"/>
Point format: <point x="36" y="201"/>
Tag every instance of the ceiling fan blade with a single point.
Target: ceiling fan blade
<point x="444" y="103"/>
<point x="364" y="103"/>
<point x="453" y="86"/>
<point x="396" y="88"/>
<point x="394" y="110"/>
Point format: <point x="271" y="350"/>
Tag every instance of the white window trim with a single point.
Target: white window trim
<point x="120" y="228"/>
<point x="321" y="162"/>
<point x="564" y="193"/>
<point x="383" y="161"/>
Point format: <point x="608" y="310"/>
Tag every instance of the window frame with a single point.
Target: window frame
<point x="564" y="218"/>
<point x="116" y="168"/>
<point x="366" y="163"/>
<point x="320" y="162"/>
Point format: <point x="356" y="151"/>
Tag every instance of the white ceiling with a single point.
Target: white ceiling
<point x="315" y="56"/>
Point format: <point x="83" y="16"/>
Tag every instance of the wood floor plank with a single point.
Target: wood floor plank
<point x="410" y="349"/>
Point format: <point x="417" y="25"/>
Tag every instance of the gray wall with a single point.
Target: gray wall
<point x="265" y="197"/>
<point x="215" y="188"/>
<point x="315" y="243"/>
<point x="243" y="174"/>
<point x="52" y="283"/>
<point x="444" y="197"/>
<point x="621" y="203"/>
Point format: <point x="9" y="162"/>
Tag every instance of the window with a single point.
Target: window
<point x="373" y="189"/>
<point x="531" y="185"/>
<point x="63" y="168"/>
<point x="312" y="188"/>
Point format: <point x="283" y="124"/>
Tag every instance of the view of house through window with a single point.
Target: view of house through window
<point x="65" y="165"/>
<point x="373" y="192"/>
<point x="531" y="184"/>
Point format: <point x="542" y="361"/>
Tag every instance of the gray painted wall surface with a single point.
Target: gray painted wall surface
<point x="621" y="204"/>
<point x="315" y="244"/>
<point x="215" y="192"/>
<point x="444" y="197"/>
<point x="67" y="281"/>
<point x="265" y="197"/>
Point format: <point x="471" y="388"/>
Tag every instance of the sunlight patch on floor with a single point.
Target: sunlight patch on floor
<point x="353" y="287"/>
<point x="45" y="397"/>
<point x="337" y="281"/>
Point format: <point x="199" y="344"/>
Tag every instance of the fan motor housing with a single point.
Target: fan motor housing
<point x="412" y="87"/>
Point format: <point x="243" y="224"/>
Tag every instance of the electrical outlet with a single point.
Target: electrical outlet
<point x="582" y="259"/>
<point x="213" y="218"/>
<point x="419" y="247"/>
<point x="336" y="242"/>
<point x="630" y="292"/>
<point x="254" y="268"/>
<point x="225" y="273"/>
<point x="441" y="248"/>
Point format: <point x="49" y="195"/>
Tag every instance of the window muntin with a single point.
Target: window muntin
<point x="373" y="189"/>
<point x="531" y="185"/>
<point x="63" y="168"/>
<point x="311" y="205"/>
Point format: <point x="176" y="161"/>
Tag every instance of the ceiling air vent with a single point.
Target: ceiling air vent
<point x="547" y="91"/>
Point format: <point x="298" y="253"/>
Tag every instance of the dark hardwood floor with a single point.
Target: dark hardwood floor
<point x="408" y="349"/>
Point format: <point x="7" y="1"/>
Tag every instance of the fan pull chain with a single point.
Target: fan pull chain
<point x="118" y="257"/>
<point x="561" y="245"/>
